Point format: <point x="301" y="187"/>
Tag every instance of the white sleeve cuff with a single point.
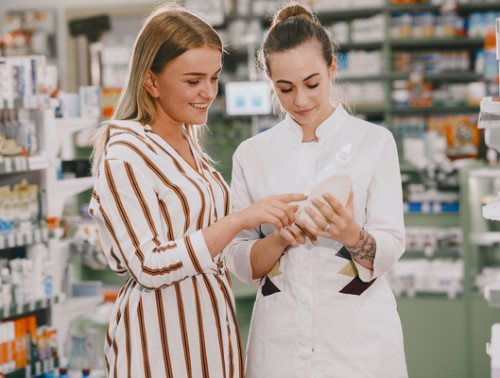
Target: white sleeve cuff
<point x="196" y="257"/>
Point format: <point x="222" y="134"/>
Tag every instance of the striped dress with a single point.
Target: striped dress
<point x="175" y="314"/>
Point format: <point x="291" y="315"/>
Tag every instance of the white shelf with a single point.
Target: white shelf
<point x="19" y="239"/>
<point x="485" y="239"/>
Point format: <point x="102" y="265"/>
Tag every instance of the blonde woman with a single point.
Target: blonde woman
<point x="163" y="210"/>
<point x="324" y="307"/>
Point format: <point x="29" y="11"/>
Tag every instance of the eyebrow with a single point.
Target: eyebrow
<point x="201" y="73"/>
<point x="307" y="78"/>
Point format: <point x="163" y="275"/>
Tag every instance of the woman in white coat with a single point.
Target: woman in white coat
<point x="324" y="307"/>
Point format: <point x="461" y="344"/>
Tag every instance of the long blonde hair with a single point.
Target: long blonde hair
<point x="168" y="32"/>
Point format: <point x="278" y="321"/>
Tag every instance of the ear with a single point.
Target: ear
<point x="150" y="85"/>
<point x="333" y="68"/>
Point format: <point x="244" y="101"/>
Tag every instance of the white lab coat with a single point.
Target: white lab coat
<point x="323" y="315"/>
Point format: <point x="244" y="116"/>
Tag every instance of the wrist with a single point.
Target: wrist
<point x="281" y="242"/>
<point x="351" y="236"/>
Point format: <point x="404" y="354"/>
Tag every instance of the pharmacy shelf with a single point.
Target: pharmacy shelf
<point x="343" y="14"/>
<point x="373" y="45"/>
<point x="457" y="76"/>
<point x="23" y="164"/>
<point x="485" y="239"/>
<point x="431" y="207"/>
<point x="20" y="239"/>
<point x="436" y="43"/>
<point x="16" y="309"/>
<point x="437" y="252"/>
<point x="431" y="110"/>
<point x="412" y="8"/>
<point x="35" y="370"/>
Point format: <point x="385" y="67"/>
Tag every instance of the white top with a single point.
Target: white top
<point x="175" y="314"/>
<point x="318" y="313"/>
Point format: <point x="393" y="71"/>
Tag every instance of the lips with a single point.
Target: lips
<point x="304" y="113"/>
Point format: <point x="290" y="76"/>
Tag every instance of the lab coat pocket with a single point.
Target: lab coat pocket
<point x="272" y="334"/>
<point x="380" y="338"/>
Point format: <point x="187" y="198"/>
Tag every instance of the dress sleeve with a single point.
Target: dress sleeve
<point x="237" y="253"/>
<point x="384" y="213"/>
<point x="131" y="220"/>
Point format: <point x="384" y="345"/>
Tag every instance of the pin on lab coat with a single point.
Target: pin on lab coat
<point x="318" y="313"/>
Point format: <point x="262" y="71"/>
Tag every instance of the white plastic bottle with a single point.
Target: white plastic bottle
<point x="334" y="179"/>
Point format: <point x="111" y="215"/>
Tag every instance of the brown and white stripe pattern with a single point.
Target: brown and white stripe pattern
<point x="175" y="315"/>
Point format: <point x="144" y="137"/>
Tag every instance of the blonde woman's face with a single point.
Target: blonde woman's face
<point x="186" y="87"/>
<point x="302" y="80"/>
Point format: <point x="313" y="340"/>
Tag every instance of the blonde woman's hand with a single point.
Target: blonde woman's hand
<point x="293" y="235"/>
<point x="275" y="210"/>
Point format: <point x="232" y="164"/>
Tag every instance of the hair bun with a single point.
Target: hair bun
<point x="291" y="11"/>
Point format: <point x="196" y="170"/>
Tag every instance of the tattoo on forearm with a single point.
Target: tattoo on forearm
<point x="364" y="248"/>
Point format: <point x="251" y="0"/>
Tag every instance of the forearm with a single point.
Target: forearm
<point x="265" y="253"/>
<point x="219" y="235"/>
<point x="362" y="248"/>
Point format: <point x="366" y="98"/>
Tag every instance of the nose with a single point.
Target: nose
<point x="300" y="98"/>
<point x="209" y="89"/>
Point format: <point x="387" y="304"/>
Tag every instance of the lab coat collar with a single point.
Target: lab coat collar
<point x="334" y="122"/>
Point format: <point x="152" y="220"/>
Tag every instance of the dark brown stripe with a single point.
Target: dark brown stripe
<point x="237" y="329"/>
<point x="142" y="201"/>
<point x="127" y="340"/>
<point x="215" y="307"/>
<point x="163" y="331"/>
<point x="201" y="330"/>
<point x="161" y="176"/>
<point x="182" y="322"/>
<point x="192" y="254"/>
<point x="356" y="286"/>
<point x="144" y="339"/>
